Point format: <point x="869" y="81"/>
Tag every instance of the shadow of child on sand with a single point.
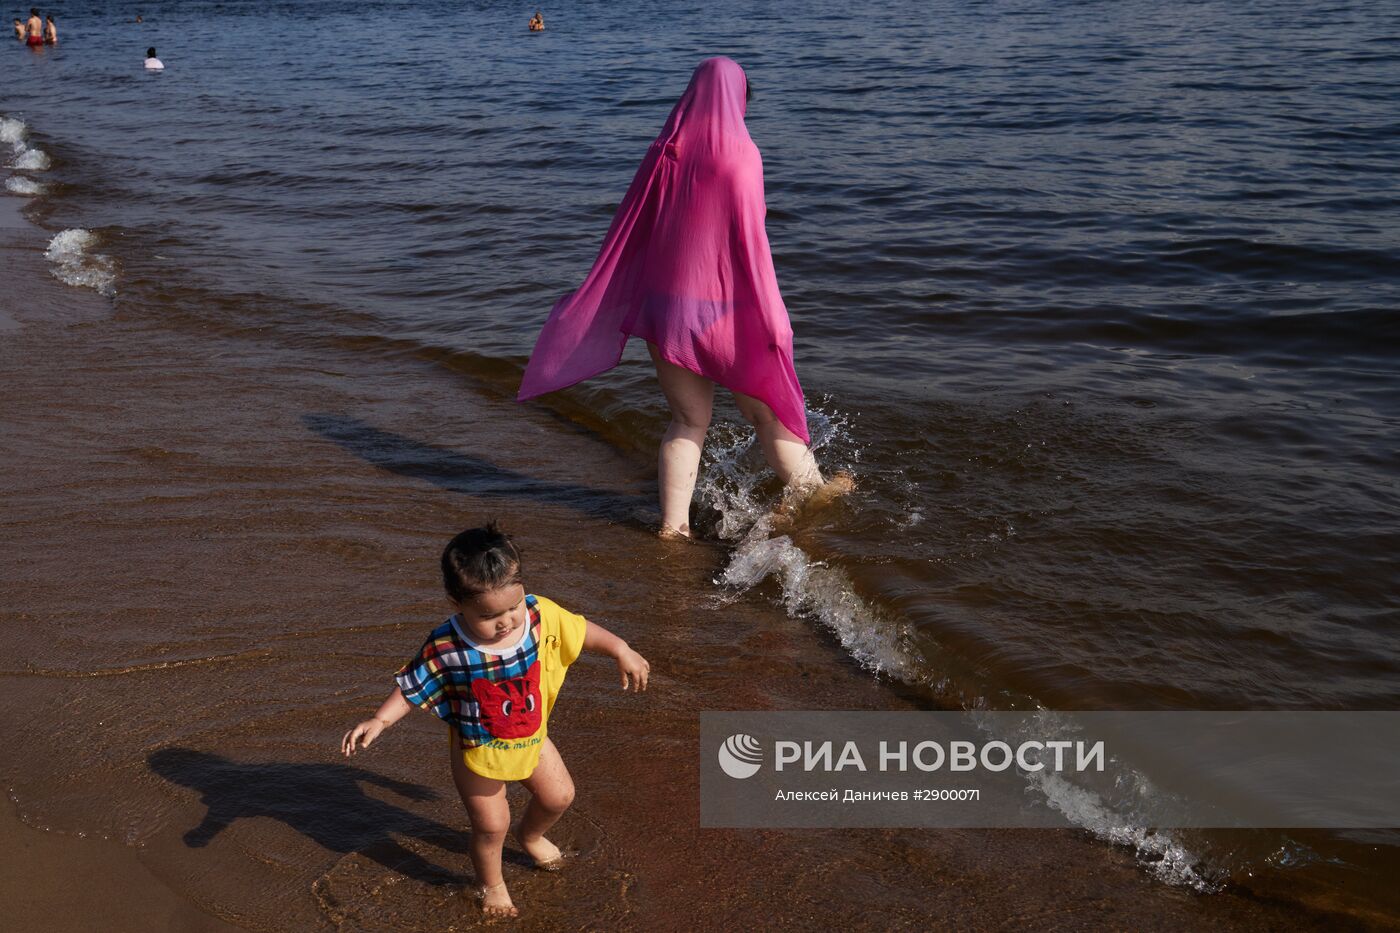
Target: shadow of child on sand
<point x="323" y="802"/>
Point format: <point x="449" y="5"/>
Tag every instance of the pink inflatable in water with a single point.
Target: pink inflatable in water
<point x="685" y="264"/>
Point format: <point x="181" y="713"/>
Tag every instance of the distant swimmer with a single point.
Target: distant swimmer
<point x="153" y="63"/>
<point x="50" y="31"/>
<point x="138" y="17"/>
<point x="537" y="22"/>
<point x="34" y="29"/>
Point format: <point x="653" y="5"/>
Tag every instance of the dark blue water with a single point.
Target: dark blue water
<point x="1100" y="301"/>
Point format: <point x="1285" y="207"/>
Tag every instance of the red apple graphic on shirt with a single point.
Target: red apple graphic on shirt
<point x="510" y="709"/>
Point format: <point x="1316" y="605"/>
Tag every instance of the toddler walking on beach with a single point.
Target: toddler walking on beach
<point x="492" y="671"/>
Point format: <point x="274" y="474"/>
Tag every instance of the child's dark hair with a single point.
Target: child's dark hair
<point x="151" y="52"/>
<point x="477" y="560"/>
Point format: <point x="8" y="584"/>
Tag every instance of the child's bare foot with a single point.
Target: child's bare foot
<point x="545" y="854"/>
<point x="496" y="902"/>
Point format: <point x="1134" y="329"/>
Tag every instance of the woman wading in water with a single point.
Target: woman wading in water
<point x="686" y="267"/>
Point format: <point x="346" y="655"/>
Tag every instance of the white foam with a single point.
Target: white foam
<point x="74" y="262"/>
<point x="12" y="131"/>
<point x="814" y="589"/>
<point x="27" y="157"/>
<point x="15" y="132"/>
<point x="1157" y="850"/>
<point x="810" y="588"/>
<point x="1120" y="811"/>
<point x="32" y="160"/>
<point x="18" y="184"/>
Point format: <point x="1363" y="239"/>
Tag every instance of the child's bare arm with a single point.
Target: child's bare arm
<point x="629" y="663"/>
<point x="394" y="708"/>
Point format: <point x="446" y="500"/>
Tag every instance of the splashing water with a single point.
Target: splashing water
<point x="74" y="263"/>
<point x="18" y="184"/>
<point x="12" y="131"/>
<point x="32" y="160"/>
<point x="737" y="486"/>
<point x="733" y="485"/>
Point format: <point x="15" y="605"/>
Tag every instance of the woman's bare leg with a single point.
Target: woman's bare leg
<point x="692" y="399"/>
<point x="794" y="463"/>
<point x="787" y="456"/>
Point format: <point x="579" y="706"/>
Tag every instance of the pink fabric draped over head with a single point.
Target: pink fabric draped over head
<point x="686" y="264"/>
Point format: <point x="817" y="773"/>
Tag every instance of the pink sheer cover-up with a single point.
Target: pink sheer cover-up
<point x="686" y="264"/>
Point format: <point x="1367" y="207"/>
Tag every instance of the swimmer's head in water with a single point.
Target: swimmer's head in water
<point x="151" y="52"/>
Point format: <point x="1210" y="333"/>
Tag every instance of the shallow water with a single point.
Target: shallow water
<point x="1098" y="301"/>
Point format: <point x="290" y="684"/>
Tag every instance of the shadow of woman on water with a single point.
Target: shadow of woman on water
<point x="462" y="473"/>
<point x="323" y="802"/>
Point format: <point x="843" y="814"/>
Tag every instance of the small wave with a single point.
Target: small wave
<point x="74" y="263"/>
<point x="15" y="132"/>
<point x="30" y="671"/>
<point x="27" y="158"/>
<point x="32" y="160"/>
<point x="1158" y="851"/>
<point x="816" y="590"/>
<point x="18" y="184"/>
<point x="1119" y="811"/>
<point x="12" y="131"/>
<point x="810" y="588"/>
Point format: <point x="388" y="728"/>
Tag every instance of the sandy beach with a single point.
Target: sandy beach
<point x="221" y="546"/>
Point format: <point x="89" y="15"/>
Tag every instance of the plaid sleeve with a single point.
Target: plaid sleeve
<point x="423" y="682"/>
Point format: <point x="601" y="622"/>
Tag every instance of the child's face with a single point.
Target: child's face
<point x="495" y="616"/>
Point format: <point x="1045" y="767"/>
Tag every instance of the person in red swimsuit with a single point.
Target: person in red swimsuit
<point x="34" y="29"/>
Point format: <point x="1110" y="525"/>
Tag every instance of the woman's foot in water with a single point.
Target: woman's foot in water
<point x="667" y="533"/>
<point x="841" y="483"/>
<point x="807" y="498"/>
<point x="496" y="902"/>
<point x="544" y="854"/>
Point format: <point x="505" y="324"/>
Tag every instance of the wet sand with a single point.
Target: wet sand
<point x="60" y="883"/>
<point x="220" y="546"/>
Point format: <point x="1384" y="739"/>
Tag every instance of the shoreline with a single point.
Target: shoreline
<point x="36" y="891"/>
<point x="55" y="880"/>
<point x="238" y="489"/>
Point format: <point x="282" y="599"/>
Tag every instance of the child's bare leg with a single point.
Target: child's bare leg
<point x="691" y="399"/>
<point x="485" y="800"/>
<point x="552" y="790"/>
